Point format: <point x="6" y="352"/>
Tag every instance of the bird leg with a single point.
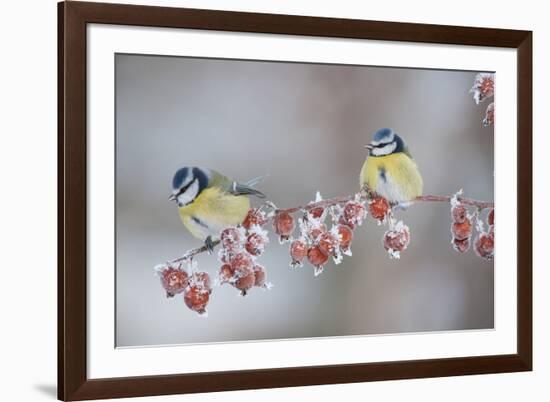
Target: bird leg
<point x="209" y="244"/>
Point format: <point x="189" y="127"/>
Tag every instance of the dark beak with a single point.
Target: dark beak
<point x="369" y="146"/>
<point x="172" y="197"/>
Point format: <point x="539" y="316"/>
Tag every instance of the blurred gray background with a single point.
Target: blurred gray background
<point x="305" y="125"/>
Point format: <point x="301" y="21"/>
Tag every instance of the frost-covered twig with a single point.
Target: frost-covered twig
<point x="484" y="88"/>
<point x="192" y="253"/>
<point x="315" y="242"/>
<point x="332" y="202"/>
<point x="466" y="201"/>
<point x="320" y="204"/>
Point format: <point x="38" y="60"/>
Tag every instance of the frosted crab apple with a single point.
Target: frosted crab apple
<point x="326" y="230"/>
<point x="346" y="236"/>
<point x="379" y="208"/>
<point x="284" y="225"/>
<point x="397" y="239"/>
<point x="254" y="217"/>
<point x="485" y="245"/>
<point x="173" y="280"/>
<point x="317" y="258"/>
<point x="354" y="213"/>
<point x="196" y="297"/>
<point x="298" y="251"/>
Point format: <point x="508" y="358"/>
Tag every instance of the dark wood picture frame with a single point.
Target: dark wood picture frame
<point x="73" y="383"/>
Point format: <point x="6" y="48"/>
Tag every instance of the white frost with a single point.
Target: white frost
<point x="454" y="199"/>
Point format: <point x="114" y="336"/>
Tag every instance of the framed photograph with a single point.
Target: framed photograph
<point x="252" y="200"/>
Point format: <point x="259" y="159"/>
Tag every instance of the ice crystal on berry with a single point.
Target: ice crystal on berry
<point x="353" y="214"/>
<point x="318" y="241"/>
<point x="255" y="217"/>
<point x="260" y="276"/>
<point x="461" y="245"/>
<point x="489" y="115"/>
<point x="397" y="239"/>
<point x="379" y="208"/>
<point x="256" y="241"/>
<point x="462" y="230"/>
<point x="173" y="280"/>
<point x="298" y="251"/>
<point x="284" y="225"/>
<point x="484" y="245"/>
<point x="459" y="213"/>
<point x="196" y="298"/>
<point x="484" y="87"/>
<point x="317" y="258"/>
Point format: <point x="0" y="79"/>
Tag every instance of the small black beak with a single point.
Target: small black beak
<point x="172" y="197"/>
<point x="369" y="146"/>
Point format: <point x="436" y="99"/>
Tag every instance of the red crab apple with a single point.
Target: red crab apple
<point x="462" y="230"/>
<point x="284" y="225"/>
<point x="196" y="297"/>
<point x="316" y="212"/>
<point x="260" y="275"/>
<point x="231" y="239"/>
<point x="255" y="243"/>
<point x="328" y="243"/>
<point x="346" y="236"/>
<point x="397" y="239"/>
<point x="485" y="245"/>
<point x="173" y="280"/>
<point x="461" y="245"/>
<point x="201" y="279"/>
<point x="316" y="256"/>
<point x="226" y="273"/>
<point x="298" y="251"/>
<point x="379" y="208"/>
<point x="254" y="217"/>
<point x="491" y="217"/>
<point x="354" y="213"/>
<point x="459" y="213"/>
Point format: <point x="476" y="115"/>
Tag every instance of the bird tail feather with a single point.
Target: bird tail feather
<point x="255" y="180"/>
<point x="247" y="188"/>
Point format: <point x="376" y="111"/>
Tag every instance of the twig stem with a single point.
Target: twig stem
<point x="364" y="195"/>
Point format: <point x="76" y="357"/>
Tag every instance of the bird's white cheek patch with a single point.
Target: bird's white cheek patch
<point x="189" y="195"/>
<point x="385" y="150"/>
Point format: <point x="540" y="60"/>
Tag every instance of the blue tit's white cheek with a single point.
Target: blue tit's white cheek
<point x="386" y="140"/>
<point x="385" y="150"/>
<point x="189" y="195"/>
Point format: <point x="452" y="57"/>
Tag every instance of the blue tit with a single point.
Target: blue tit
<point x="209" y="202"/>
<point x="390" y="170"/>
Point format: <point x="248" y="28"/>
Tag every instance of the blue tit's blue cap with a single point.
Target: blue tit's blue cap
<point x="187" y="174"/>
<point x="383" y="136"/>
<point x="180" y="177"/>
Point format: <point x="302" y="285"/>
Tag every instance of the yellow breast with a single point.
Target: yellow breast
<point x="395" y="177"/>
<point x="212" y="211"/>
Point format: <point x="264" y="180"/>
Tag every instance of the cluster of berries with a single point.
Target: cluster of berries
<point x="462" y="231"/>
<point x="483" y="88"/>
<point x="398" y="236"/>
<point x="196" y="287"/>
<point x="240" y="248"/>
<point x="316" y="242"/>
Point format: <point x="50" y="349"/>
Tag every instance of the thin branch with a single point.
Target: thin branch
<point x="463" y="200"/>
<point x="329" y="202"/>
<point x="188" y="256"/>
<point x="323" y="203"/>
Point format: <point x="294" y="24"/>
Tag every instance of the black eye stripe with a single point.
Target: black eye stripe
<point x="382" y="145"/>
<point x="184" y="189"/>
